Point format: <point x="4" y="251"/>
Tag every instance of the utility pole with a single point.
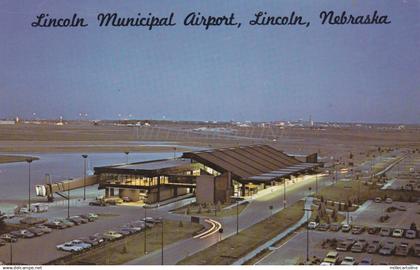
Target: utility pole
<point x="237" y="217"/>
<point x="84" y="176"/>
<point x="162" y="243"/>
<point x="284" y="193"/>
<point x="68" y="198"/>
<point x="145" y="230"/>
<point x="11" y="251"/>
<point x="29" y="183"/>
<point x="307" y="231"/>
<point x="316" y="182"/>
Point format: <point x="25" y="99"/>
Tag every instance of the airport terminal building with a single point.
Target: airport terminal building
<point x="212" y="175"/>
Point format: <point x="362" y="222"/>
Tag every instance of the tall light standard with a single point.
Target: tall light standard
<point x="237" y="217"/>
<point x="126" y="154"/>
<point x="145" y="230"/>
<point x="307" y="229"/>
<point x="11" y="251"/>
<point x="29" y="183"/>
<point x="284" y="193"/>
<point x="162" y="244"/>
<point x="84" y="176"/>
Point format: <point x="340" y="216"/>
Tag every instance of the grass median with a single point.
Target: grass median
<point x="230" y="249"/>
<point x="132" y="247"/>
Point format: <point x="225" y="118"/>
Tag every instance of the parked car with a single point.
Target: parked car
<point x="398" y="233"/>
<point x="2" y="242"/>
<point x="359" y="246"/>
<point x="92" y="240"/>
<point x="76" y="220"/>
<point x="374" y="230"/>
<point x="90" y="217"/>
<point x="148" y="220"/>
<point x="135" y="227"/>
<point x="326" y="263"/>
<point x="36" y="231"/>
<point x="373" y="247"/>
<point x="112" y="235"/>
<point x="323" y="227"/>
<point x="402" y="250"/>
<point x="357" y="229"/>
<point x="402" y="208"/>
<point x="366" y="261"/>
<point x="335" y="227"/>
<point x="348" y="261"/>
<point x="69" y="246"/>
<point x="345" y="245"/>
<point x="416" y="249"/>
<point x="346" y="228"/>
<point x="410" y="234"/>
<point x="331" y="258"/>
<point x="23" y="234"/>
<point x="126" y="231"/>
<point x="67" y="222"/>
<point x="8" y="238"/>
<point x="385" y="232"/>
<point x="387" y="249"/>
<point x="388" y="200"/>
<point x="43" y="228"/>
<point x="378" y="199"/>
<point x="97" y="203"/>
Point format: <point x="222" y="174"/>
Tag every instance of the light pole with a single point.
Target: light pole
<point x="237" y="217"/>
<point x="145" y="230"/>
<point x="284" y="193"/>
<point x="316" y="182"/>
<point x="307" y="230"/>
<point x="68" y="198"/>
<point x="29" y="183"/>
<point x="126" y="154"/>
<point x="162" y="244"/>
<point x="11" y="251"/>
<point x="84" y="176"/>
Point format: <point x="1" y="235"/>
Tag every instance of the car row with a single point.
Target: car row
<point x="84" y="243"/>
<point x="386" y="248"/>
<point x="41" y="229"/>
<point x="333" y="258"/>
<point x="357" y="229"/>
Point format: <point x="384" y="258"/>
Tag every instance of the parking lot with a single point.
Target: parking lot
<point x="42" y="249"/>
<point x="294" y="250"/>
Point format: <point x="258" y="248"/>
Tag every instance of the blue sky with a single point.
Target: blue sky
<point x="351" y="73"/>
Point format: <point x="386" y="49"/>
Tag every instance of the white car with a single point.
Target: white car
<point x="348" y="261"/>
<point x="74" y="246"/>
<point x="68" y="246"/>
<point x="398" y="233"/>
<point x="312" y="225"/>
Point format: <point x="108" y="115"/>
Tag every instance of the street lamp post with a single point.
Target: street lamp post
<point x="29" y="161"/>
<point x="284" y="193"/>
<point x="145" y="231"/>
<point x="307" y="231"/>
<point x="237" y="217"/>
<point x="11" y="251"/>
<point x="316" y="182"/>
<point x="68" y="198"/>
<point x="162" y="244"/>
<point x="84" y="176"/>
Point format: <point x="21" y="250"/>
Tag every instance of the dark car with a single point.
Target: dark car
<point x="2" y="242"/>
<point x="387" y="249"/>
<point x="345" y="245"/>
<point x="359" y="246"/>
<point x="43" y="228"/>
<point x="366" y="261"/>
<point x="373" y="247"/>
<point x="36" y="231"/>
<point x="335" y="227"/>
<point x="357" y="229"/>
<point x="374" y="230"/>
<point x="323" y="227"/>
<point x="402" y="250"/>
<point x="76" y="220"/>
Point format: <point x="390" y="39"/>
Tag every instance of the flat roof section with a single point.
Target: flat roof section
<point x="148" y="168"/>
